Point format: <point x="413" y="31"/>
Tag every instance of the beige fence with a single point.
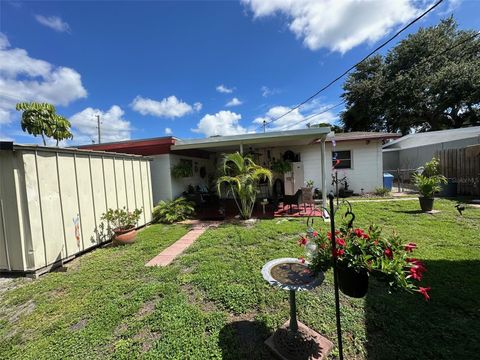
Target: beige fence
<point x="463" y="167"/>
<point x="51" y="201"/>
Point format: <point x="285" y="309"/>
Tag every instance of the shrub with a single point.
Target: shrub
<point x="172" y="211"/>
<point x="122" y="219"/>
<point x="281" y="166"/>
<point x="429" y="181"/>
<point x="381" y="191"/>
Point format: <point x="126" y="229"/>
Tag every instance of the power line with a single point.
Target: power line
<point x="361" y="61"/>
<point x="317" y="114"/>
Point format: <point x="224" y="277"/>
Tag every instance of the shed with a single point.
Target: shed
<point x="414" y="150"/>
<point x="51" y="201"/>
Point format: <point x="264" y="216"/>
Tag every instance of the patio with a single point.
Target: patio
<point x="212" y="301"/>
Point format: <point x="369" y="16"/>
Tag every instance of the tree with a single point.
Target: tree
<point x="429" y="81"/>
<point x="334" y="128"/>
<point x="242" y="175"/>
<point x="42" y="119"/>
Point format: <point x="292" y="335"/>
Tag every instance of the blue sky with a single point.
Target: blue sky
<point x="191" y="69"/>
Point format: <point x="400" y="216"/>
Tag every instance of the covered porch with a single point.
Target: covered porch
<point x="295" y="157"/>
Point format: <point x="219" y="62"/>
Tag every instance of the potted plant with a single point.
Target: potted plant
<point x="429" y="182"/>
<point x="241" y="177"/>
<point x="122" y="223"/>
<point x="362" y="254"/>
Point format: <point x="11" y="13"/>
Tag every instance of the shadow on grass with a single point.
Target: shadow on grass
<point x="404" y="326"/>
<point x="245" y="340"/>
<point x="410" y="211"/>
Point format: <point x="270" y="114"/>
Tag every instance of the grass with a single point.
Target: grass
<point x="213" y="303"/>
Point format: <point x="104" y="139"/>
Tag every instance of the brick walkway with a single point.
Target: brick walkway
<point x="174" y="250"/>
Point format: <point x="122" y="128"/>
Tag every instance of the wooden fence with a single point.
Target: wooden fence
<point x="463" y="167"/>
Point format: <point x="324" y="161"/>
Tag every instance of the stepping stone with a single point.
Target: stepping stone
<point x="174" y="250"/>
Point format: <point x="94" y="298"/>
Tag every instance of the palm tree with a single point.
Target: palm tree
<point x="241" y="175"/>
<point x="42" y="119"/>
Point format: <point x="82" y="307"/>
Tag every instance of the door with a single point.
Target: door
<point x="294" y="179"/>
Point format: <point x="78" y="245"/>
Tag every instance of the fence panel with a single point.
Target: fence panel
<point x="463" y="167"/>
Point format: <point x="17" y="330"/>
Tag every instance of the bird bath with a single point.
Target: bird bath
<point x="295" y="340"/>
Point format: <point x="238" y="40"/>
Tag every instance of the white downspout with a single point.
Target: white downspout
<point x="324" y="178"/>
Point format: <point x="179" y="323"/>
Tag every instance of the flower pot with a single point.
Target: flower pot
<point x="124" y="236"/>
<point x="351" y="282"/>
<point x="426" y="203"/>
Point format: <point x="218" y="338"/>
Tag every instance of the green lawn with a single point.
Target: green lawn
<point x="213" y="303"/>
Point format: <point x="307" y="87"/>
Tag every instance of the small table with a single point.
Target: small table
<point x="264" y="202"/>
<point x="295" y="340"/>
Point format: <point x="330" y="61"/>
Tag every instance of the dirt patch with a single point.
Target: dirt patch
<point x="195" y="296"/>
<point x="120" y="329"/>
<point x="147" y="308"/>
<point x="21" y="310"/>
<point x="79" y="325"/>
<point x="9" y="283"/>
<point x="147" y="338"/>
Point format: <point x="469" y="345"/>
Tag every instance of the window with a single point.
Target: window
<point x="345" y="158"/>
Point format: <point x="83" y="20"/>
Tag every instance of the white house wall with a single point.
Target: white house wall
<point x="366" y="172"/>
<point x="161" y="178"/>
<point x="180" y="185"/>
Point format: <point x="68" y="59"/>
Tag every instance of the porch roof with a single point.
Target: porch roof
<point x="276" y="138"/>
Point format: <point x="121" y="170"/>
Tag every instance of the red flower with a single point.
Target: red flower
<point x="410" y="247"/>
<point x="365" y="236"/>
<point x="302" y="260"/>
<point x="338" y="252"/>
<point x="415" y="273"/>
<point x="302" y="241"/>
<point x="388" y="253"/>
<point x="315" y="234"/>
<point x="424" y="292"/>
<point x="375" y="242"/>
<point x="340" y="241"/>
<point x="358" y="232"/>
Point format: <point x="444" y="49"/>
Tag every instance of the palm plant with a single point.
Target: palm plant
<point x="241" y="176"/>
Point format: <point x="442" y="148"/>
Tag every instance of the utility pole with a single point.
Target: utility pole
<point x="98" y="127"/>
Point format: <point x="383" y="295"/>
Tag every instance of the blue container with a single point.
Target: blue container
<point x="387" y="181"/>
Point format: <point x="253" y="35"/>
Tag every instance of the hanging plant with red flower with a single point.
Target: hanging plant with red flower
<point x="385" y="257"/>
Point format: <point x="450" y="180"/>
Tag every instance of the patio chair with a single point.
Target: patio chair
<point x="293" y="199"/>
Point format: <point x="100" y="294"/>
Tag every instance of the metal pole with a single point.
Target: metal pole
<point x="335" y="275"/>
<point x="98" y="127"/>
<point x="293" y="312"/>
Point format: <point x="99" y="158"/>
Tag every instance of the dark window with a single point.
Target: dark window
<point x="344" y="157"/>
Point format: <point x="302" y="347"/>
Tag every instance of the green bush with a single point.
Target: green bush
<point x="172" y="211"/>
<point x="381" y="191"/>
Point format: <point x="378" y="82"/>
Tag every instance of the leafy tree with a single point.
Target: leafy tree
<point x="42" y="119"/>
<point x="242" y="175"/>
<point x="429" y="81"/>
<point x="335" y="128"/>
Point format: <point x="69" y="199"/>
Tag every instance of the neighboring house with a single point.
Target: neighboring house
<point x="360" y="155"/>
<point x="413" y="150"/>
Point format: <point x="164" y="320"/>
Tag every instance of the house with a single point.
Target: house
<point x="412" y="151"/>
<point x="357" y="155"/>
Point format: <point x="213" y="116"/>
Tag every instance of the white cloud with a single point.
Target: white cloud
<point x="223" y="89"/>
<point x="338" y="25"/>
<point x="295" y="119"/>
<point x="234" y="102"/>
<point x="23" y="78"/>
<point x="113" y="126"/>
<point x="266" y="91"/>
<point x="168" y="131"/>
<point x="169" y="107"/>
<point x="197" y="106"/>
<point x="221" y="123"/>
<point x="53" y="22"/>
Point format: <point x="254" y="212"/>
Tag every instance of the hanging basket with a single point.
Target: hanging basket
<point x="351" y="282"/>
